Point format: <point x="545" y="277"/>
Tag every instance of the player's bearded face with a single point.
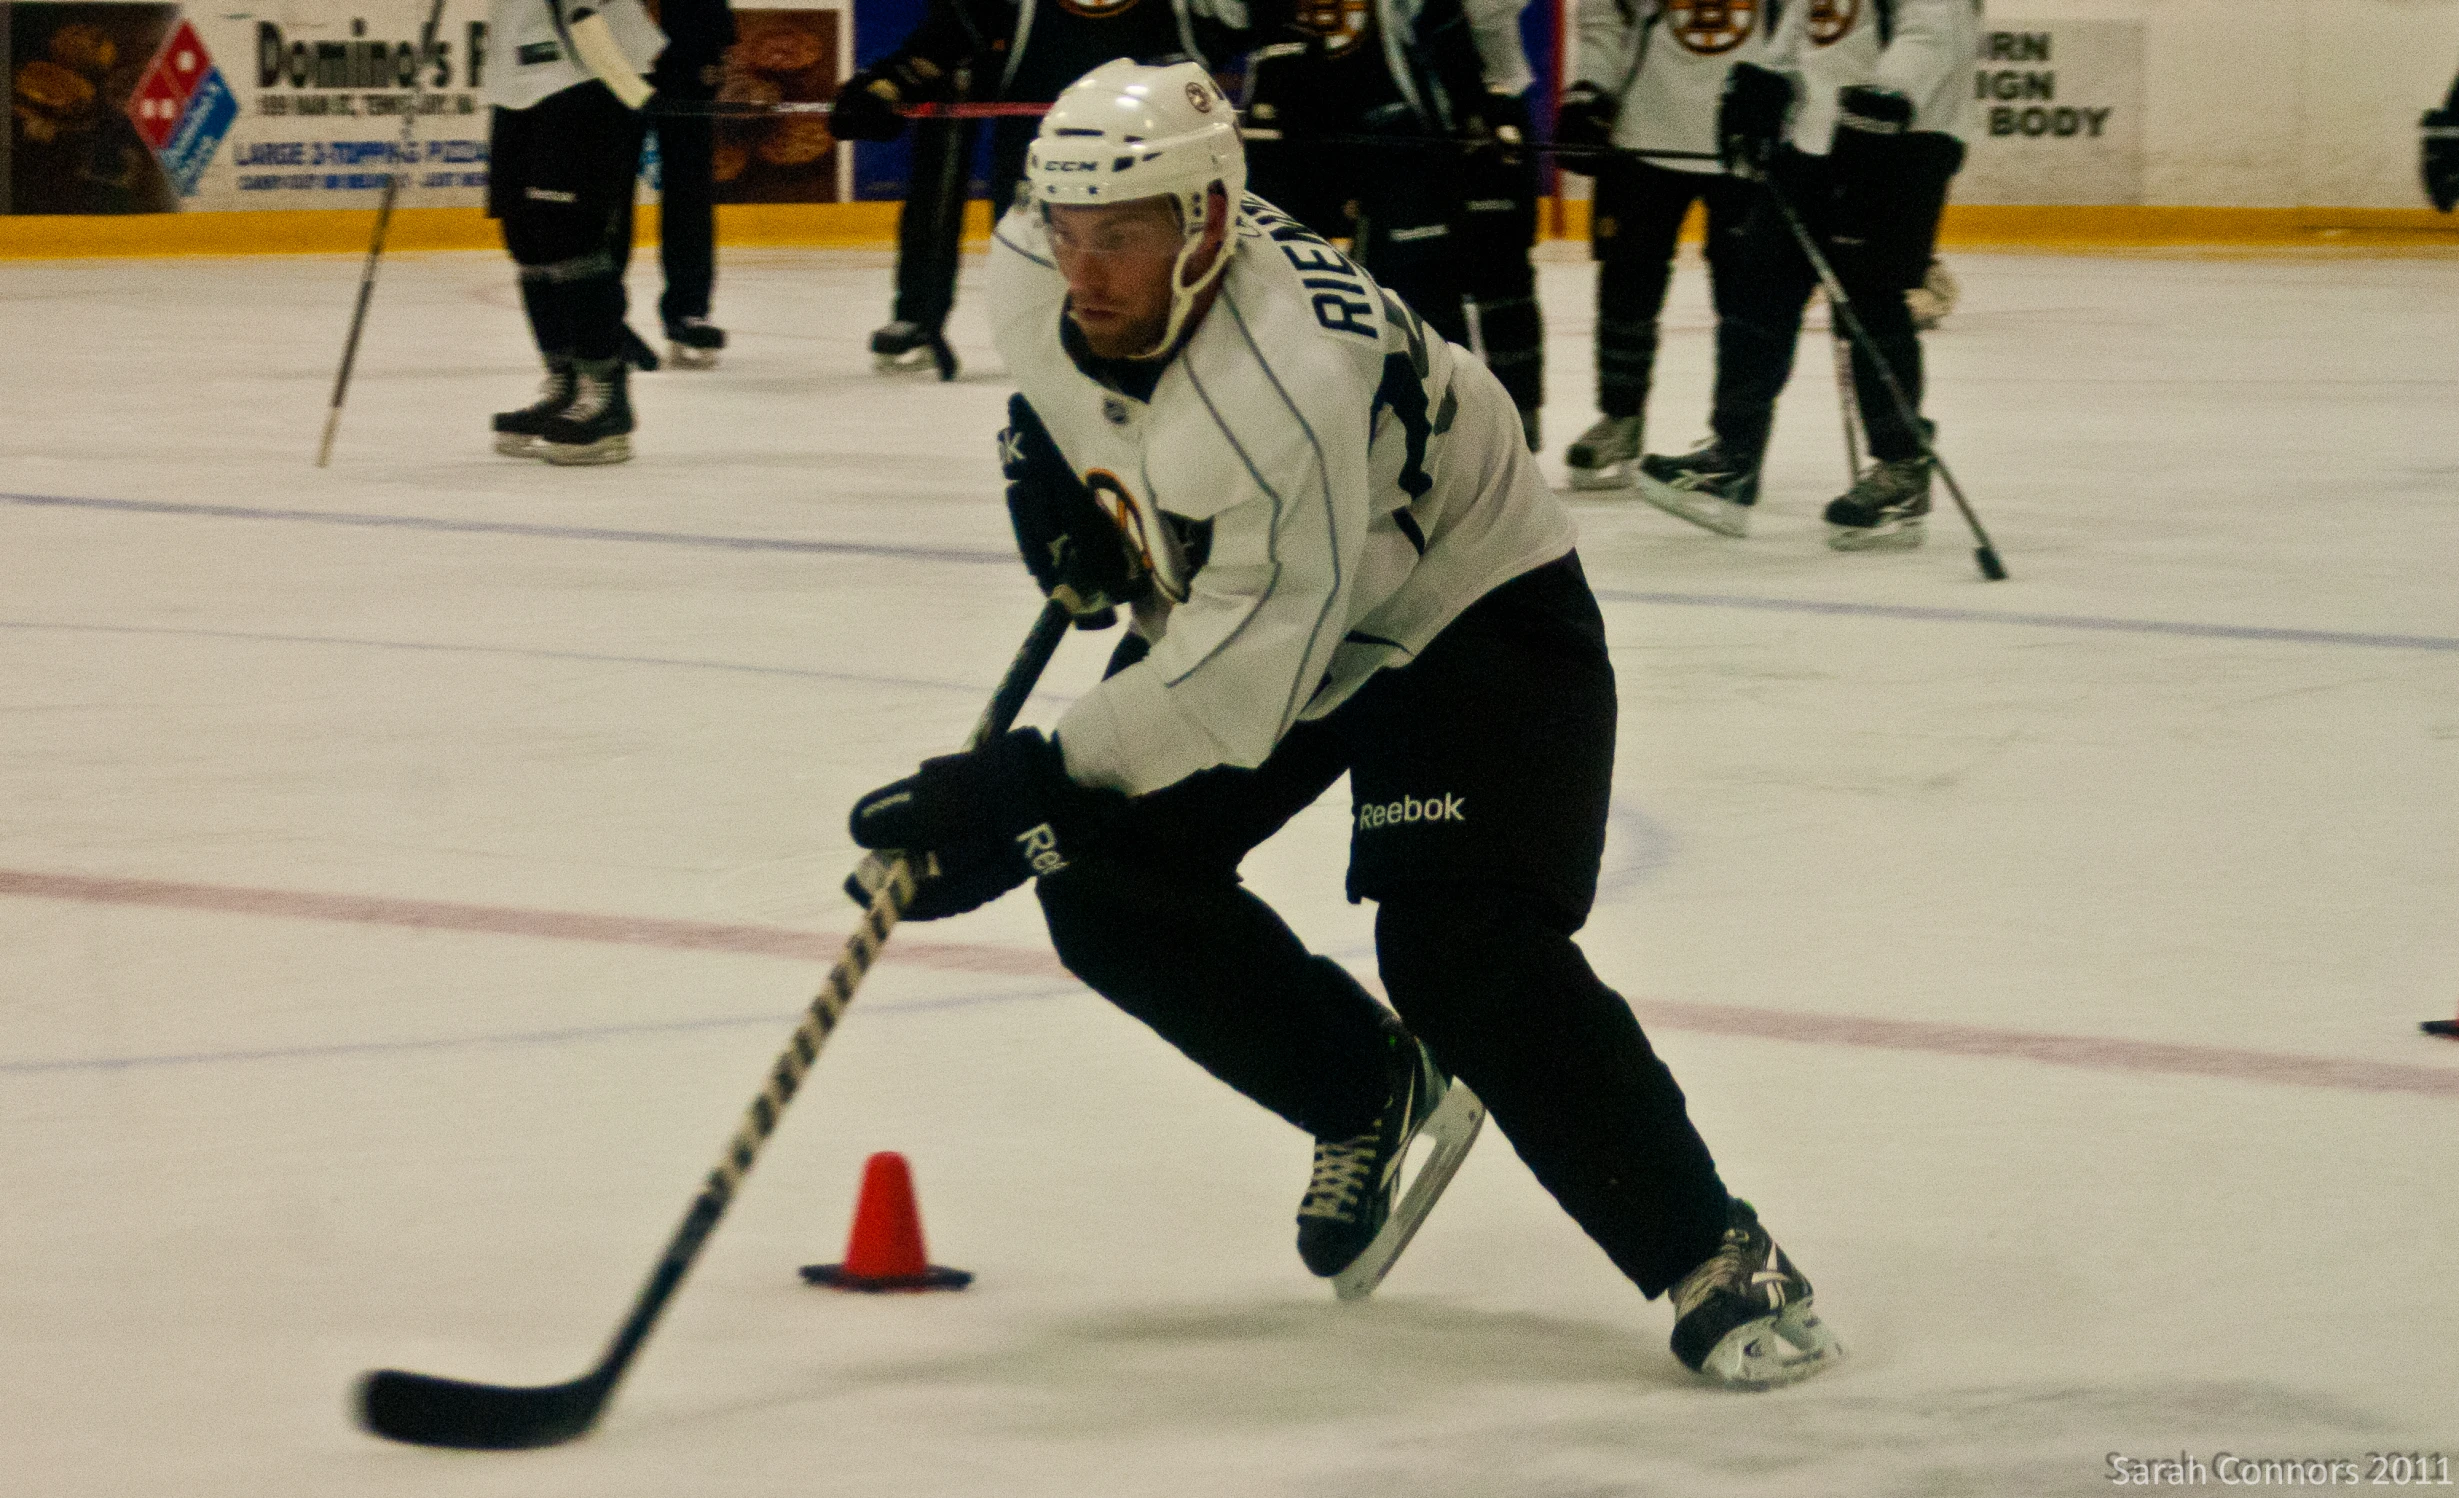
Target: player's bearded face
<point x="1118" y="260"/>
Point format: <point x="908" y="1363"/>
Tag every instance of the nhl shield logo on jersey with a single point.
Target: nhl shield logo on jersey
<point x="1708" y="27"/>
<point x="1831" y="21"/>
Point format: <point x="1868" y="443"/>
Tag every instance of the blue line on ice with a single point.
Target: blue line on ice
<point x="2262" y="633"/>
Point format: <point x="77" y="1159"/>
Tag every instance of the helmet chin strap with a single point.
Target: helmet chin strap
<point x="1183" y="294"/>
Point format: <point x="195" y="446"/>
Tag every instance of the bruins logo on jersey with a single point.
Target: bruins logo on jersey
<point x="1708" y="27"/>
<point x="1098" y="9"/>
<point x="1831" y="21"/>
<point x="1341" y="23"/>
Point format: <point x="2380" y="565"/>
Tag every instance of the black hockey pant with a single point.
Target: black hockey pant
<point x="1634" y="223"/>
<point x="1772" y="282"/>
<point x="686" y="196"/>
<point x="1479" y="894"/>
<point x="1495" y="231"/>
<point x="560" y="182"/>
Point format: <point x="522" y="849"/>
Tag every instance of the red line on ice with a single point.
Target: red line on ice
<point x="2090" y="1052"/>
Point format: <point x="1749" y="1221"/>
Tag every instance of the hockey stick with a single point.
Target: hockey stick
<point x="375" y="244"/>
<point x="430" y="1411"/>
<point x="1984" y="553"/>
<point x="1848" y="397"/>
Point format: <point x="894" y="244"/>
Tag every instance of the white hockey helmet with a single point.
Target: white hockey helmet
<point x="1130" y="130"/>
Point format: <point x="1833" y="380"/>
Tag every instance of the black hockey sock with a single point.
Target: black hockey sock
<point x="1218" y="975"/>
<point x="1510" y="1005"/>
<point x="548" y="324"/>
<point x="1514" y="339"/>
<point x="595" y="306"/>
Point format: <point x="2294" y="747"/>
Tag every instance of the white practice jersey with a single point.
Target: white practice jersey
<point x="1322" y="486"/>
<point x="529" y="46"/>
<point x="1666" y="60"/>
<point x="1501" y="55"/>
<point x="1923" y="49"/>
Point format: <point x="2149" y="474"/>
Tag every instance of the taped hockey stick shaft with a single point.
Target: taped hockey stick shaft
<point x="375" y="243"/>
<point x="1984" y="554"/>
<point x="429" y="1411"/>
<point x="1848" y="396"/>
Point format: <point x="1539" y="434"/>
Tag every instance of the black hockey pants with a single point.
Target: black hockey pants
<point x="1479" y="893"/>
<point x="560" y="181"/>
<point x="1634" y="224"/>
<point x="1771" y="284"/>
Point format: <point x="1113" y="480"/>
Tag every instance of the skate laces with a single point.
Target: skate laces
<point x="590" y="395"/>
<point x="1343" y="1168"/>
<point x="1746" y="1263"/>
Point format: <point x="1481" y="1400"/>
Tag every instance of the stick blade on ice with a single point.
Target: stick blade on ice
<point x="427" y="1411"/>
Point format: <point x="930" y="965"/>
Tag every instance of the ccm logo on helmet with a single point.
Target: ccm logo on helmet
<point x="1410" y="809"/>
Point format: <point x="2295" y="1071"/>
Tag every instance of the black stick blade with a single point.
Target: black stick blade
<point x="1991" y="567"/>
<point x="428" y="1411"/>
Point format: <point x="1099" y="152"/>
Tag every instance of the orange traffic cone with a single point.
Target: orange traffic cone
<point x="884" y="1251"/>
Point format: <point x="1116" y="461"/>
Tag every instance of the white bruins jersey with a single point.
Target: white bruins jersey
<point x="1666" y="60"/>
<point x="1321" y="485"/>
<point x="529" y="46"/>
<point x="1830" y="45"/>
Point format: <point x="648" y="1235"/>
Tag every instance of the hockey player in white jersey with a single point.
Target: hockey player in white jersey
<point x="1856" y="117"/>
<point x="1647" y="77"/>
<point x="1339" y="559"/>
<point x="565" y="77"/>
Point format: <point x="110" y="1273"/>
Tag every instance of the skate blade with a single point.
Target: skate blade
<point x="516" y="444"/>
<point x="684" y="356"/>
<point x="1706" y="511"/>
<point x="1611" y="476"/>
<point x="1904" y="535"/>
<point x="1450" y="1129"/>
<point x="615" y="449"/>
<point x="1773" y="1351"/>
<point x="912" y="361"/>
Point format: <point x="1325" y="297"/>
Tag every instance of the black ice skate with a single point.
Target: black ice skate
<point x="637" y="353"/>
<point x="517" y="433"/>
<point x="1603" y="455"/>
<point x="1886" y="510"/>
<point x="905" y="345"/>
<point x="1349" y="1230"/>
<point x="1707" y="486"/>
<point x="597" y="426"/>
<point x="693" y="342"/>
<point x="1743" y="1318"/>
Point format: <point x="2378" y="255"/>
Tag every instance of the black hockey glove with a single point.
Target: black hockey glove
<point x="1584" y="121"/>
<point x="2440" y="158"/>
<point x="1497" y="123"/>
<point x="1012" y="795"/>
<point x="949" y="881"/>
<point x="1750" y="120"/>
<point x="1070" y="545"/>
<point x="867" y="103"/>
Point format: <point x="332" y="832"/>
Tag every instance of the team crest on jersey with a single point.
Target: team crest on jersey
<point x="1341" y="23"/>
<point x="1709" y="27"/>
<point x="1831" y="21"/>
<point x="1150" y="541"/>
<point x="1098" y="9"/>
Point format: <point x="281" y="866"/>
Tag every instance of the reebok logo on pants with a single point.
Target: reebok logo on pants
<point x="1410" y="809"/>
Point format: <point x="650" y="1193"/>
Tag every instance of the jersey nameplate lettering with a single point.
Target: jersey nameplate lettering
<point x="1340" y="299"/>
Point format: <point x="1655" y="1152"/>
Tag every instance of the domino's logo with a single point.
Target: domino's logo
<point x="183" y="108"/>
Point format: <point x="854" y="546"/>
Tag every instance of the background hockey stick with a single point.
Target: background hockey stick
<point x="1848" y="397"/>
<point x="430" y="1411"/>
<point x="375" y="244"/>
<point x="1984" y="554"/>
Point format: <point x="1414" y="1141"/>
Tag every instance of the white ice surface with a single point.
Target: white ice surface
<point x="2185" y="791"/>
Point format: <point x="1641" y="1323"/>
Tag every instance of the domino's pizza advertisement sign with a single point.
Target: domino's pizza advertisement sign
<point x="182" y="108"/>
<point x="2057" y="114"/>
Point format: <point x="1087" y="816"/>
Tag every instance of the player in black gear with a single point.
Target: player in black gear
<point x="1019" y="51"/>
<point x="568" y="91"/>
<point x="1854" y="122"/>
